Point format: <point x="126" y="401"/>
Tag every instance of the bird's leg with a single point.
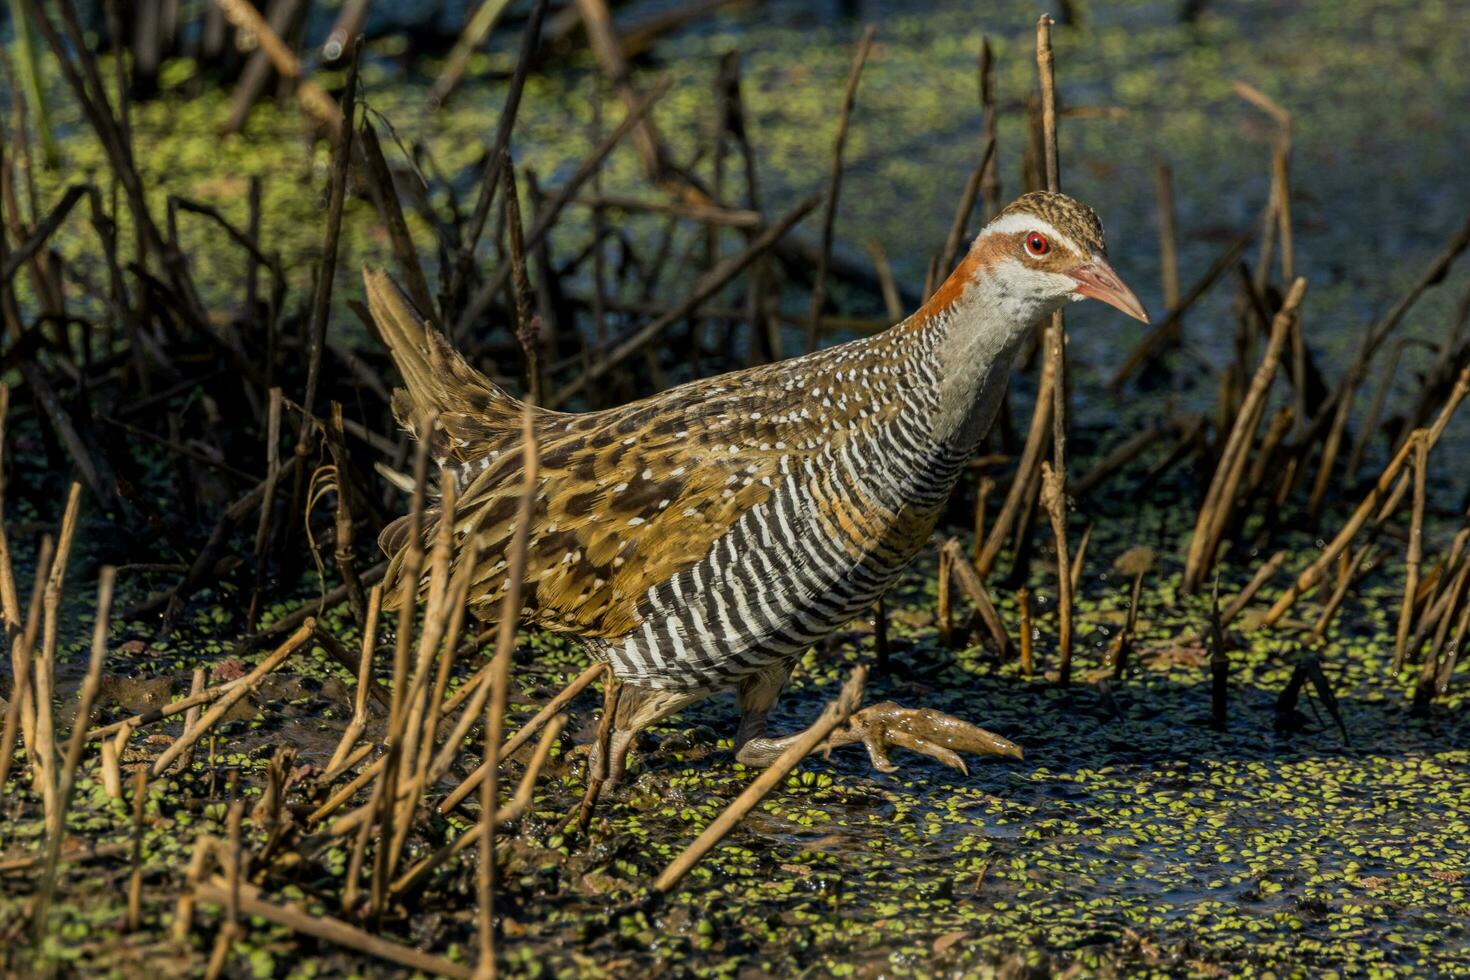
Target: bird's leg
<point x="630" y="710"/>
<point x="878" y="727"/>
<point x="756" y="696"/>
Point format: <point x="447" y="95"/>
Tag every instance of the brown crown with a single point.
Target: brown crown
<point x="1069" y="216"/>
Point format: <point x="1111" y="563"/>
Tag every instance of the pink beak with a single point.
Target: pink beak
<point x="1097" y="280"/>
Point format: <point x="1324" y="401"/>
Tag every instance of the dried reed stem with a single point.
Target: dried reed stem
<point x="556" y="704"/>
<point x="328" y="929"/>
<point x="1022" y="483"/>
<point x="86" y="699"/>
<point x="44" y="756"/>
<point x="359" y="720"/>
<point x="1220" y="499"/>
<point x="969" y="579"/>
<point x="1415" y="557"/>
<point x="836" y="713"/>
<point x="1349" y="568"/>
<point x="834" y="185"/>
<point x="1262" y="576"/>
<point x="1168" y="239"/>
<point x="245" y="17"/>
<point x="135" y="875"/>
<point x="197" y="683"/>
<point x="1023" y="599"/>
<point x="1054" y="477"/>
<point x="1370" y="505"/>
<point x="512" y="811"/>
<point x="251" y="680"/>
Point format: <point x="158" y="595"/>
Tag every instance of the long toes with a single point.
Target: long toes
<point x="937" y="752"/>
<point x="876" y="744"/>
<point x="941" y="729"/>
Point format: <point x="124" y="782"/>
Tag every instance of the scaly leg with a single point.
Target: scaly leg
<point x="634" y="708"/>
<point x="878" y="727"/>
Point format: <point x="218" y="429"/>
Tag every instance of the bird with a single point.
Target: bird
<point x="704" y="538"/>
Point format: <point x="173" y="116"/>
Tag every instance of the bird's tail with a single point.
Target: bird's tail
<point x="474" y="414"/>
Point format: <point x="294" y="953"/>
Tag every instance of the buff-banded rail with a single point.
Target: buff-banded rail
<point x="704" y="538"/>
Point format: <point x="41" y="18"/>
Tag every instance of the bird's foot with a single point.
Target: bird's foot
<point x="881" y="727"/>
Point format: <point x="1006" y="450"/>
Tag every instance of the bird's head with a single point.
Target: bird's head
<point x="1047" y="248"/>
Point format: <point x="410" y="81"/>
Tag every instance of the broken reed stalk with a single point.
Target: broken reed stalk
<point x="834" y="185"/>
<point x="836" y="713"/>
<point x="359" y="720"/>
<point x="1054" y="499"/>
<point x="505" y="641"/>
<point x="485" y="872"/>
<point x="1370" y="505"/>
<point x="267" y="504"/>
<point x="313" y="97"/>
<point x="1168" y="240"/>
<point x="530" y="39"/>
<point x="519" y="286"/>
<point x="960" y="568"/>
<point x="183" y="706"/>
<point x="514" y="810"/>
<point x="597" y="760"/>
<point x="230" y="931"/>
<point x="23" y="655"/>
<point x="135" y="875"/>
<point x="197" y="683"/>
<point x="385" y="789"/>
<point x="218" y="892"/>
<point x="432" y="634"/>
<point x="1263" y="575"/>
<point x="1023" y="600"/>
<point x="1080" y="558"/>
<point x="945" y="613"/>
<point x="86" y="700"/>
<point x="549" y="710"/>
<point x="983" y="490"/>
<point x="892" y="302"/>
<point x="13" y="628"/>
<point x="476" y="30"/>
<point x="1054" y="477"/>
<point x="1351" y="566"/>
<point x="343" y="551"/>
<point x="223" y="704"/>
<point x="1369" y="424"/>
<point x="963" y="210"/>
<point x="1415" y="557"/>
<point x="43" y="670"/>
<point x="1126" y="452"/>
<point x="1441" y="681"/>
<point x="1436" y="617"/>
<point x="1220" y="498"/>
<point x="326" y="273"/>
<point x="990" y="179"/>
<point x="1027" y="473"/>
<point x="1380" y="330"/>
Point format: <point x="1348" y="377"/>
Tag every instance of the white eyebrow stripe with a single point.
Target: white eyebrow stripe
<point x="1008" y="224"/>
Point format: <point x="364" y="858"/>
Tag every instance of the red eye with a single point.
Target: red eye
<point x="1036" y="244"/>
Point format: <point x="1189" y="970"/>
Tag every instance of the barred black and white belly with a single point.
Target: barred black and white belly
<point x="785" y="575"/>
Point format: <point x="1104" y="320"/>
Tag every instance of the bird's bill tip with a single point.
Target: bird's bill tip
<point x="1097" y="280"/>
